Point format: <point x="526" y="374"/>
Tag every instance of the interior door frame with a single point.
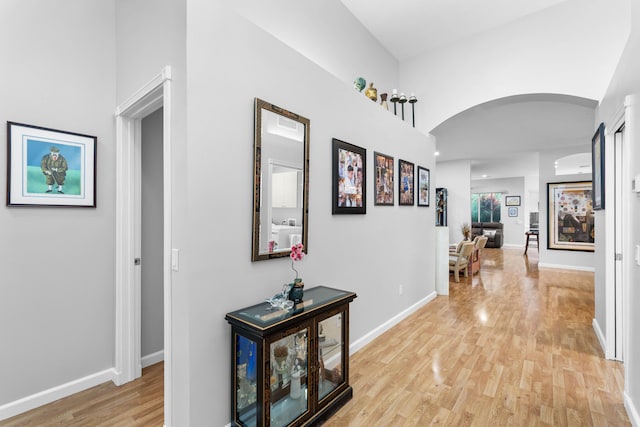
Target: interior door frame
<point x="152" y="96"/>
<point x="614" y="226"/>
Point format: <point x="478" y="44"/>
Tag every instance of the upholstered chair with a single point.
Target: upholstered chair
<point x="460" y="261"/>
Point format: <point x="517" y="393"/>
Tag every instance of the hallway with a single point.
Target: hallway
<point x="512" y="346"/>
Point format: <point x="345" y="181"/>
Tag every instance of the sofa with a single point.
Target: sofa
<point x="493" y="230"/>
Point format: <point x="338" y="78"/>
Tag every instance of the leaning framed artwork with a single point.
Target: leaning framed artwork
<point x="597" y="167"/>
<point x="406" y="183"/>
<point x="512" y="201"/>
<point x="384" y="181"/>
<point x="570" y="216"/>
<point x="349" y="178"/>
<point x="48" y="167"/>
<point x="423" y="186"/>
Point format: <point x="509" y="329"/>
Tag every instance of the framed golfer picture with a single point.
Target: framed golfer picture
<point x="48" y="167"/>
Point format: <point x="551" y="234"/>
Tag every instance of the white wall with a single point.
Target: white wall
<point x="577" y="260"/>
<point x="513" y="230"/>
<point x="56" y="309"/>
<point x="626" y="81"/>
<point x="546" y="52"/>
<point x="151" y="34"/>
<point x="455" y="176"/>
<point x="328" y="34"/>
<point x="356" y="252"/>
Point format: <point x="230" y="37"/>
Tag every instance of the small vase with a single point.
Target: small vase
<point x="297" y="291"/>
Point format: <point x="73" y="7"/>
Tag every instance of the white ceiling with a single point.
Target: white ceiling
<point x="411" y="27"/>
<point x="503" y="137"/>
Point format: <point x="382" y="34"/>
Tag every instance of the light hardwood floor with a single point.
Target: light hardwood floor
<point x="512" y="346"/>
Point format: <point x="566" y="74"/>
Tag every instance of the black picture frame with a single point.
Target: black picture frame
<point x="349" y="194"/>
<point x="424" y="186"/>
<point x="570" y="222"/>
<point x="597" y="167"/>
<point x="49" y="167"/>
<point x="406" y="183"/>
<point x="512" y="201"/>
<point x="384" y="179"/>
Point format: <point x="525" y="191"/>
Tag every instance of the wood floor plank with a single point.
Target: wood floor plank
<point x="512" y="345"/>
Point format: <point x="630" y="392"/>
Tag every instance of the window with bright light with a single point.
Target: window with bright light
<point x="486" y="207"/>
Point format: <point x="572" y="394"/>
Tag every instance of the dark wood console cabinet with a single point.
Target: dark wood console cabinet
<point x="290" y="367"/>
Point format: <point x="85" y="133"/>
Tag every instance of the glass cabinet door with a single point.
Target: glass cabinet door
<point x="289" y="379"/>
<point x="246" y="376"/>
<point x="330" y="355"/>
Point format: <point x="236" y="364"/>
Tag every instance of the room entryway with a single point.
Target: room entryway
<point x="134" y="161"/>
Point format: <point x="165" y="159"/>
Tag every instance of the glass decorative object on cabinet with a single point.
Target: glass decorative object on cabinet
<point x="246" y="387"/>
<point x="330" y="356"/>
<point x="289" y="379"/>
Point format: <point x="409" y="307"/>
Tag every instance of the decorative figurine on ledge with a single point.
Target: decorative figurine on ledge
<point x="359" y="84"/>
<point x="372" y="93"/>
<point x="383" y="101"/>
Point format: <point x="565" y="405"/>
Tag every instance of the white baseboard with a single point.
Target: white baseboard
<point x="600" y="335"/>
<point x="25" y="404"/>
<point x="566" y="267"/>
<point x="632" y="412"/>
<point x="152" y="359"/>
<point x="361" y="342"/>
<point x="513" y="246"/>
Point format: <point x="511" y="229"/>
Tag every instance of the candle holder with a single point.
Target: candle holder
<point x="402" y="101"/>
<point x="413" y="100"/>
<point x="394" y="99"/>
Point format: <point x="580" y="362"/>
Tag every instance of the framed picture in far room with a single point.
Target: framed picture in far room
<point x="349" y="178"/>
<point x="424" y="186"/>
<point x="512" y="211"/>
<point x="406" y="183"/>
<point x="512" y="201"/>
<point x="570" y="219"/>
<point x="48" y="167"/>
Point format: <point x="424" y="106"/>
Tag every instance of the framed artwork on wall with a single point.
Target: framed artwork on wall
<point x="512" y="201"/>
<point x="349" y="178"/>
<point x="424" y="186"/>
<point x="384" y="182"/>
<point x="48" y="167"/>
<point x="570" y="218"/>
<point x="597" y="167"/>
<point x="406" y="183"/>
<point x="512" y="211"/>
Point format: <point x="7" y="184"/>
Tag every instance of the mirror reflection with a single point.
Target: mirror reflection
<point x="281" y="181"/>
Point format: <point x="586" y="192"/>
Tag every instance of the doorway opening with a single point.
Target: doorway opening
<point x="154" y="96"/>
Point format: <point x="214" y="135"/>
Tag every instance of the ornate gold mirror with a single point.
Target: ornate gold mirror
<point x="281" y="181"/>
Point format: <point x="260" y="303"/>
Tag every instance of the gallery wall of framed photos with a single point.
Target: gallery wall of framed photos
<point x="349" y="189"/>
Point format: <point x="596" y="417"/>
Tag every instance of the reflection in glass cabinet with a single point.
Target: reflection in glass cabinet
<point x="289" y="378"/>
<point x="246" y="388"/>
<point x="330" y="354"/>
